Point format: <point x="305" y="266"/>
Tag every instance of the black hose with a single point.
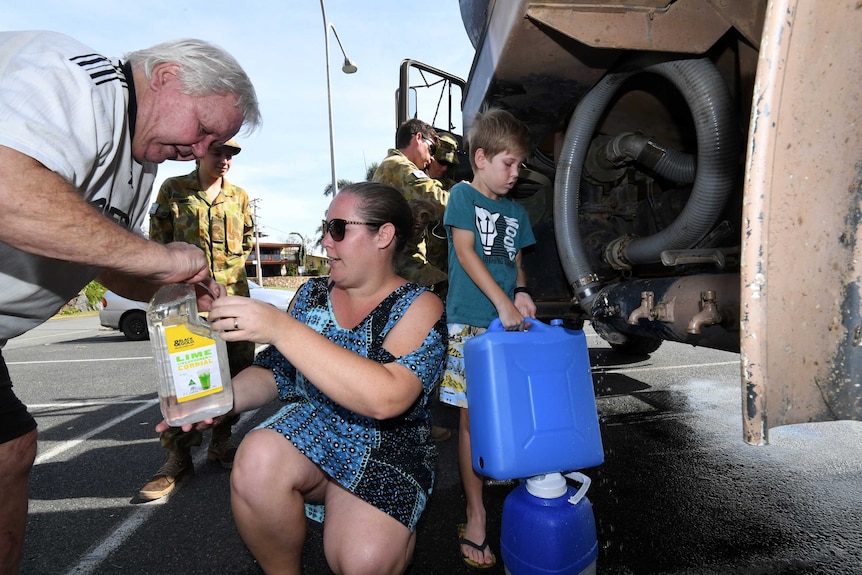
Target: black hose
<point x="666" y="162"/>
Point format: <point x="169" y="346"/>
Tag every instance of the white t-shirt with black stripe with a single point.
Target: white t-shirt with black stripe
<point x="65" y="105"/>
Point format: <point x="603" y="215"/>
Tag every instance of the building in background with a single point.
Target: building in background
<point x="284" y="259"/>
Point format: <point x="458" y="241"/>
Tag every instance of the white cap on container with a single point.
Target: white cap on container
<point x="548" y="486"/>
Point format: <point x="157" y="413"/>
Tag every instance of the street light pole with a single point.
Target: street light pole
<point x="254" y="204"/>
<point x="348" y="68"/>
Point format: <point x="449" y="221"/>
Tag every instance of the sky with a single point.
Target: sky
<point x="285" y="164"/>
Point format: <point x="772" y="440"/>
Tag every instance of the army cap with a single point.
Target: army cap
<point x="231" y="146"/>
<point x="447" y="148"/>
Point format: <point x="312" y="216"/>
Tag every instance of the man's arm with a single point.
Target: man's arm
<point x="128" y="286"/>
<point x="43" y="214"/>
<point x="425" y="188"/>
<point x="414" y="184"/>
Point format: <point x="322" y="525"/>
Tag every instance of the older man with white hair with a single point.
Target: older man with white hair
<point x="80" y="139"/>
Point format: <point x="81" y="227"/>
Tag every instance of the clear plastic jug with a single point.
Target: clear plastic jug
<point x="191" y="359"/>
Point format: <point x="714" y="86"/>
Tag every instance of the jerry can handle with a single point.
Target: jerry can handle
<point x="534" y="325"/>
<point x="585" y="484"/>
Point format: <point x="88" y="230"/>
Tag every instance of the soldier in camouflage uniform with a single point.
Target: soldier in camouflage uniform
<point x="202" y="208"/>
<point x="442" y="165"/>
<point x="403" y="168"/>
<point x="444" y="161"/>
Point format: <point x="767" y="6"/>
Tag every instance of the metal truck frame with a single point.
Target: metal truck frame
<point x="696" y="177"/>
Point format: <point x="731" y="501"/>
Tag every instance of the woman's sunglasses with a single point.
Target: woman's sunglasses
<point x="337" y="226"/>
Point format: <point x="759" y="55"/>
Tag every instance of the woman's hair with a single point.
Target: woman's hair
<point x="205" y="70"/>
<point x="382" y="203"/>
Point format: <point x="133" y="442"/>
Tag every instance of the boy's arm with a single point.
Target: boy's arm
<point x="463" y="241"/>
<point x="523" y="301"/>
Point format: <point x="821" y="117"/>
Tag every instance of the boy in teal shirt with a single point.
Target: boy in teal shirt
<point x="486" y="233"/>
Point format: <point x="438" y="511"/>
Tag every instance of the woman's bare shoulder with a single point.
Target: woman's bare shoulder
<point x="428" y="303"/>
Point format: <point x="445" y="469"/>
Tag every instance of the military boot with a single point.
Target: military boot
<point x="179" y="463"/>
<point x="221" y="450"/>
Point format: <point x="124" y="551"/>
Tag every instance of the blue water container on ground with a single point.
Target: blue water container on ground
<point x="531" y="400"/>
<point x="548" y="528"/>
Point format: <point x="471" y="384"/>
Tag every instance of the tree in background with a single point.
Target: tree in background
<point x="327" y="191"/>
<point x="369" y="174"/>
<point x="302" y="252"/>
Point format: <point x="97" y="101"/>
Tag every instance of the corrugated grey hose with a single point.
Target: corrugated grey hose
<point x="714" y="117"/>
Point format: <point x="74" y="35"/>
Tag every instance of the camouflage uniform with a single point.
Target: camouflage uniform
<point x="223" y="229"/>
<point x="446" y="183"/>
<point x="428" y="201"/>
<point x="436" y="242"/>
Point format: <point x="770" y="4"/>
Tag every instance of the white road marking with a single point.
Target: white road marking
<point x="41" y="361"/>
<point x="67" y="445"/>
<point x="603" y="369"/>
<point x="91" y="562"/>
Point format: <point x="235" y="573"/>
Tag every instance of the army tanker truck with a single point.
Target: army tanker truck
<point x="696" y="177"/>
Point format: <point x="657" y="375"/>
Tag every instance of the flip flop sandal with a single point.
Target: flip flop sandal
<point x="462" y="529"/>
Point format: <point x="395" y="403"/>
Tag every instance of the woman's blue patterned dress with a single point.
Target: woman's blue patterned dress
<point x="388" y="463"/>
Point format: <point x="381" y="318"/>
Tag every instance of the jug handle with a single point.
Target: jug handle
<point x="585" y="484"/>
<point x="534" y="325"/>
<point x="207" y="289"/>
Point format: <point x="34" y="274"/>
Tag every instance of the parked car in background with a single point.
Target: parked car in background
<point x="130" y="317"/>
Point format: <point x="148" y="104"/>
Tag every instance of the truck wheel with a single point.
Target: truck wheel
<point x="134" y="326"/>
<point x="635" y="345"/>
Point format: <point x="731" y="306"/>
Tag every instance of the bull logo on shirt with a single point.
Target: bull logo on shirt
<point x="486" y="225"/>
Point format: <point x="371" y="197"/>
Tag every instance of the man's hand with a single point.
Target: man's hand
<point x="187" y="264"/>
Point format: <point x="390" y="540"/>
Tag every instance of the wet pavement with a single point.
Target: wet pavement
<point x="679" y="491"/>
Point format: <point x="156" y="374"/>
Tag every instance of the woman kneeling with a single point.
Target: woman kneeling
<point x="355" y="360"/>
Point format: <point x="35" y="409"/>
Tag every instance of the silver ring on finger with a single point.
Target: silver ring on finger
<point x="235" y="323"/>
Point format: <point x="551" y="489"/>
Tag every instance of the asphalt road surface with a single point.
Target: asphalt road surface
<point x="679" y="491"/>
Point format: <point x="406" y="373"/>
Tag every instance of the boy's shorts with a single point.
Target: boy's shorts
<point x="15" y="420"/>
<point x="453" y="388"/>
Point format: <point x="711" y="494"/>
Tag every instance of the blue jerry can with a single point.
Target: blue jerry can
<point x="531" y="400"/>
